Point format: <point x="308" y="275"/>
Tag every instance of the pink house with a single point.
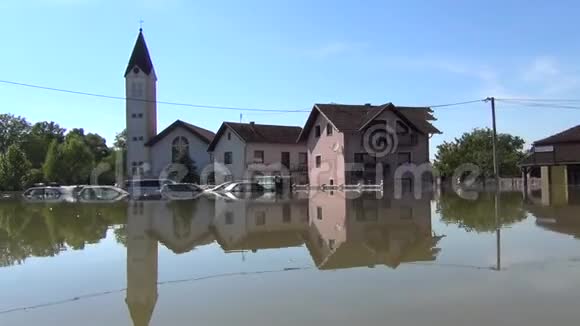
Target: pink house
<point x="352" y="144"/>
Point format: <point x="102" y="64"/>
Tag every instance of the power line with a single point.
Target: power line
<point x="538" y="104"/>
<point x="200" y="106"/>
<point x="538" y="99"/>
<point x="455" y="104"/>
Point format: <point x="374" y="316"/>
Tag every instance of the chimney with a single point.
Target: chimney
<point x="367" y="104"/>
<point x="252" y="123"/>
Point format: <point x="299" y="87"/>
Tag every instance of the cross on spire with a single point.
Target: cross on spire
<point x="141" y="25"/>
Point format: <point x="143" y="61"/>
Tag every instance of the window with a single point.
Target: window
<point x="134" y="138"/>
<point x="229" y="136"/>
<point x="140" y="115"/>
<point x="332" y="182"/>
<point x="258" y="156"/>
<point x="286" y="214"/>
<point x="359" y="157"/>
<point x="140" y="138"/>
<point x="319" y="212"/>
<point x="179" y="148"/>
<point x="302" y="159"/>
<point x="331" y="243"/>
<point x="260" y="218"/>
<point x="285" y="159"/>
<point x="228" y="158"/>
<point x="229" y="218"/>
<point x="328" y="129"/>
<point x="317" y="131"/>
<point x="318" y="161"/>
<point x="403" y="158"/>
<point x="137" y="89"/>
<point x="133" y="115"/>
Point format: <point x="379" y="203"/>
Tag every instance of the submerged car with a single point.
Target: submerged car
<point x="181" y="191"/>
<point x="243" y="190"/>
<point x="146" y="188"/>
<point x="101" y="194"/>
<point x="50" y="194"/>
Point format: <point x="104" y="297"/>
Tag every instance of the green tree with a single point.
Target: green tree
<point x="13" y="129"/>
<point x="97" y="146"/>
<point x="37" y="142"/>
<point x="475" y="147"/>
<point x="77" y="160"/>
<point x="14" y="168"/>
<point x="121" y="140"/>
<point x="53" y="164"/>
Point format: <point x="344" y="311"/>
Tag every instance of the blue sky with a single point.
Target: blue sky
<point x="291" y="54"/>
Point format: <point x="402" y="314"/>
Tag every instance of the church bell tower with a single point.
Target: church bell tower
<point x="141" y="108"/>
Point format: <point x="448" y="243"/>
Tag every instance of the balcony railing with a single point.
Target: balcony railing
<point x="298" y="167"/>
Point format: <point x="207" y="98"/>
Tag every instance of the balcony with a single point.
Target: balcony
<point x="297" y="167"/>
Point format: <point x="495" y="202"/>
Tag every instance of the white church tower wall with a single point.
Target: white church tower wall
<point x="141" y="108"/>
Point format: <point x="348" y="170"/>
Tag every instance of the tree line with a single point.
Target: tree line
<point x="45" y="152"/>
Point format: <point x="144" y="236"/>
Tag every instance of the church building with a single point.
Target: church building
<point x="149" y="153"/>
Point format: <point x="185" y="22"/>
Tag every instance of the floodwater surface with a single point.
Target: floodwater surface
<point x="317" y="259"/>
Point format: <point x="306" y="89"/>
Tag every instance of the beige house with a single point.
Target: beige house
<point x="352" y="144"/>
<point x="241" y="151"/>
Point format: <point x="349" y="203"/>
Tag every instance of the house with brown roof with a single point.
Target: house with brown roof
<point x="558" y="159"/>
<point x="242" y="151"/>
<point x="352" y="144"/>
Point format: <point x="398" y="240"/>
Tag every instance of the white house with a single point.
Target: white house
<point x="243" y="150"/>
<point x="150" y="153"/>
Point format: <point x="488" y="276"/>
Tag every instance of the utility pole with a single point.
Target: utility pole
<point x="494" y="142"/>
<point x="497" y="185"/>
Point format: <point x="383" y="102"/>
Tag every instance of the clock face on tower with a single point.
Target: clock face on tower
<point x="136" y="70"/>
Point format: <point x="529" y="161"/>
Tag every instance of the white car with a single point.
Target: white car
<point x="146" y="188"/>
<point x="101" y="194"/>
<point x="52" y="194"/>
<point x="181" y="191"/>
<point x="243" y="190"/>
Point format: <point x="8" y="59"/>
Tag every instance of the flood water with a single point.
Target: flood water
<point x="317" y="259"/>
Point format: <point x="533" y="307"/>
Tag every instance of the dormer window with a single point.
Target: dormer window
<point x="328" y="129"/>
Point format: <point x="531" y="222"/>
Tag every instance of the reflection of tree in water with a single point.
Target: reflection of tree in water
<point x="479" y="215"/>
<point x="43" y="230"/>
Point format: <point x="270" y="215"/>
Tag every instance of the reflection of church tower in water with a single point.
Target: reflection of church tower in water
<point x="141" y="265"/>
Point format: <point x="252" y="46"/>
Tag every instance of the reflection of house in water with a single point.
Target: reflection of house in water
<point x="561" y="217"/>
<point x="254" y="225"/>
<point x="365" y="232"/>
<point x="183" y="225"/>
<point x="338" y="232"/>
